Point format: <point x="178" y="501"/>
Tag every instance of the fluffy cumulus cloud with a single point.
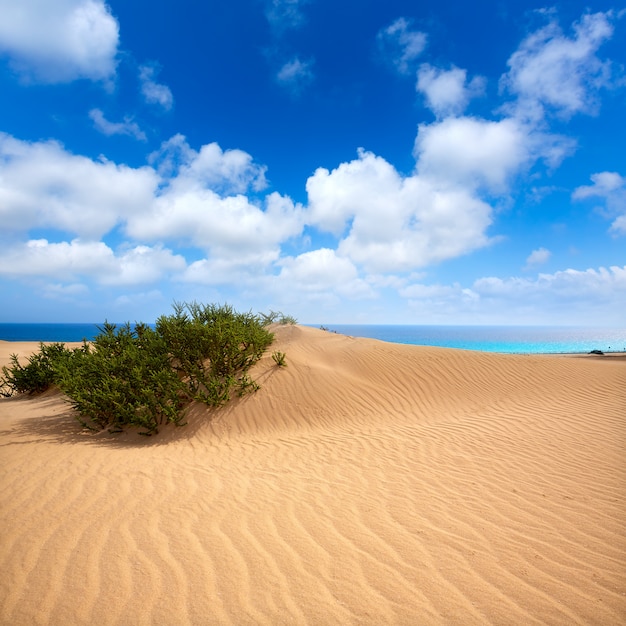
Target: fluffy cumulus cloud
<point x="154" y="92"/>
<point x="551" y="72"/>
<point x="388" y="222"/>
<point x="609" y="188"/>
<point x="400" y="45"/>
<point x="202" y="199"/>
<point x="60" y="41"/>
<point x="473" y="152"/>
<point x="447" y="92"/>
<point x="321" y="272"/>
<point x="230" y="227"/>
<point x="45" y="186"/>
<point x="106" y="127"/>
<point x="223" y="171"/>
<point x="91" y="259"/>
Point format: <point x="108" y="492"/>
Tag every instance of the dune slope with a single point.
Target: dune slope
<point x="365" y="483"/>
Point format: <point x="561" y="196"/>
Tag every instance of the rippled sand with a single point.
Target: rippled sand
<point x="366" y="483"/>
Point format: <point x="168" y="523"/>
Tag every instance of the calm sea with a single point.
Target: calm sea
<point x="511" y="339"/>
<point x="48" y="332"/>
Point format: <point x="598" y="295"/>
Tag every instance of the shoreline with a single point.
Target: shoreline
<point x="609" y="353"/>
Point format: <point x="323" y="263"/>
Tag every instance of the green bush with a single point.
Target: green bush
<point x="212" y="347"/>
<point x="37" y="375"/>
<point x="123" y="379"/>
<point x="144" y="377"/>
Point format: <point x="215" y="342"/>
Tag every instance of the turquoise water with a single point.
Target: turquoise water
<point x="511" y="339"/>
<point x="508" y="339"/>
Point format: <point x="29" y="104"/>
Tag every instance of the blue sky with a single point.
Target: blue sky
<point x="341" y="161"/>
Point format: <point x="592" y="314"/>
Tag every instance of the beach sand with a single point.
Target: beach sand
<point x="365" y="483"/>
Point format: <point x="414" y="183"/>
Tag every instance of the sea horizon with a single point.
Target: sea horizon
<point x="508" y="339"/>
<point x="511" y="339"/>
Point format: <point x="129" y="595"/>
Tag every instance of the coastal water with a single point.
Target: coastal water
<point x="48" y="332"/>
<point x="510" y="339"/>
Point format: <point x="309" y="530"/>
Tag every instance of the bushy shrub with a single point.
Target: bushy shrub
<point x="37" y="375"/>
<point x="212" y="347"/>
<point x="142" y="376"/>
<point x="123" y="379"/>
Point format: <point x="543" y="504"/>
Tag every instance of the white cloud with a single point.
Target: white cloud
<point x="322" y="271"/>
<point x="94" y="259"/>
<point x="285" y="14"/>
<point x="604" y="184"/>
<point x="447" y="92"/>
<point x="394" y="223"/>
<point x="400" y="45"/>
<point x="229" y="227"/>
<point x="565" y="297"/>
<point x="127" y="127"/>
<point x="566" y="285"/>
<point x="562" y="74"/>
<point x="144" y="264"/>
<point x="296" y="75"/>
<point x="244" y="269"/>
<point x="193" y="197"/>
<point x="611" y="188"/>
<point x="59" y="41"/>
<point x="538" y="257"/>
<point x="472" y="152"/>
<point x="480" y="153"/>
<point x="153" y="92"/>
<point x="44" y="186"/>
<point x="223" y="171"/>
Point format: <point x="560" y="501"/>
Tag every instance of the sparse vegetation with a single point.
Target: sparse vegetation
<point x="276" y="317"/>
<point x="144" y="377"/>
<point x="279" y="358"/>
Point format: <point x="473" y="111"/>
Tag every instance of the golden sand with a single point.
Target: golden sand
<point x="365" y="483"/>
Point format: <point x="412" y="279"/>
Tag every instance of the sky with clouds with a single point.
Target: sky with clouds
<point x="340" y="161"/>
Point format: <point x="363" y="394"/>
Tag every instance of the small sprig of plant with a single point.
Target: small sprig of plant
<point x="144" y="377"/>
<point x="279" y="358"/>
<point x="276" y="317"/>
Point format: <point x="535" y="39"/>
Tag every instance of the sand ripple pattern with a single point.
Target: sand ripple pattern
<point x="366" y="483"/>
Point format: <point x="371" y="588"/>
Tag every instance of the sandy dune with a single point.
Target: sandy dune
<point x="366" y="483"/>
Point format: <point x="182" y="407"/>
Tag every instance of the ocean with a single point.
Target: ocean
<point x="507" y="339"/>
<point x="48" y="332"/>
